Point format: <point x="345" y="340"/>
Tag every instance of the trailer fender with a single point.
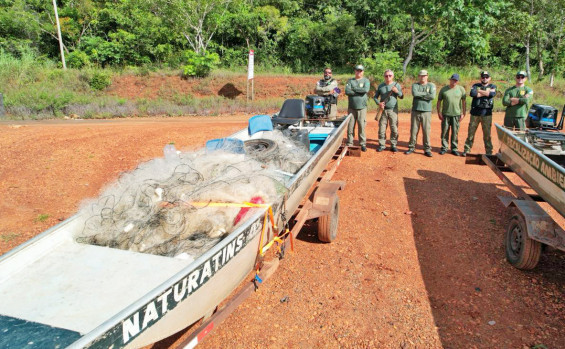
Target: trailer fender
<point x="540" y="226"/>
<point x="324" y="198"/>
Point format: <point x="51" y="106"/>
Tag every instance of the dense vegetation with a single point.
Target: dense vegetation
<point x="194" y="37"/>
<point x="302" y="35"/>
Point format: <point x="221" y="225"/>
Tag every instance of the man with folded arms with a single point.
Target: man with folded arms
<point x="356" y="90"/>
<point x="481" y="113"/>
<point x="516" y="100"/>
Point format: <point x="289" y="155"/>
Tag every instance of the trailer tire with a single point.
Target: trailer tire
<point x="521" y="251"/>
<point x="327" y="225"/>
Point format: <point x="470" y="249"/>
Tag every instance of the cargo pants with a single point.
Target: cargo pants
<point x="486" y="124"/>
<point x="516" y="123"/>
<point x="391" y="118"/>
<point x="418" y="118"/>
<point x="359" y="116"/>
<point x="447" y="123"/>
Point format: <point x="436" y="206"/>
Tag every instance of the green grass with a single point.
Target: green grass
<point x="5" y="237"/>
<point x="41" y="217"/>
<point x="35" y="89"/>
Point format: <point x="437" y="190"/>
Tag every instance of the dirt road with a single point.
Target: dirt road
<point x="418" y="263"/>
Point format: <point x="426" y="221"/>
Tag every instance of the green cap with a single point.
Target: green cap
<point x="521" y="72"/>
<point x="484" y="72"/>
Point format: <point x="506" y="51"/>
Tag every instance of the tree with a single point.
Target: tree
<point x="196" y="20"/>
<point x="423" y="17"/>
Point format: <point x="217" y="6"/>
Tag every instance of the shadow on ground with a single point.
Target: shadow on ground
<point x="477" y="298"/>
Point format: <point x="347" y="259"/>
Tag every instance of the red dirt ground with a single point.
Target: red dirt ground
<point x="418" y="263"/>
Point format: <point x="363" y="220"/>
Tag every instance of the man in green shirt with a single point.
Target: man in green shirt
<point x="516" y="100"/>
<point x="388" y="92"/>
<point x="451" y="107"/>
<point x="356" y="89"/>
<point x="424" y="93"/>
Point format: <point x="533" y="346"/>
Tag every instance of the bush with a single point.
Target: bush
<point x="78" y="59"/>
<point x="381" y="61"/>
<point x="100" y="80"/>
<point x="198" y="65"/>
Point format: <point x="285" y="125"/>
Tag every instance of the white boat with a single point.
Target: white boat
<point x="56" y="292"/>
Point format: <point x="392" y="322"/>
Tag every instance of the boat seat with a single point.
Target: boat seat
<point x="292" y="112"/>
<point x="259" y="123"/>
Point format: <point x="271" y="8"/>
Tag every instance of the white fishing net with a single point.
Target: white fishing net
<point x="170" y="206"/>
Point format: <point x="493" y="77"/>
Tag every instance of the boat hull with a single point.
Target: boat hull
<point x="543" y="174"/>
<point x="168" y="295"/>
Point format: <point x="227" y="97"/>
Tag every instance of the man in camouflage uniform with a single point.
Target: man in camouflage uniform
<point x="328" y="87"/>
<point x="356" y="89"/>
<point x="388" y="92"/>
<point x="516" y="100"/>
<point x="424" y="93"/>
<point x="481" y="113"/>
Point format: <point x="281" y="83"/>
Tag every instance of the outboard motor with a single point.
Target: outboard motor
<point x="317" y="106"/>
<point x="542" y="116"/>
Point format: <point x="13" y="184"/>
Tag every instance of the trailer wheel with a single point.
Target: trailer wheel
<point x="521" y="251"/>
<point x="327" y="225"/>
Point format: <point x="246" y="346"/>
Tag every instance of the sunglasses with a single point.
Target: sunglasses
<point x="485" y="77"/>
<point x="327" y="73"/>
<point x="520" y="77"/>
<point x="389" y="75"/>
<point x="358" y="70"/>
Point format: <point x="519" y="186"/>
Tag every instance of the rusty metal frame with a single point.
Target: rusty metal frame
<point x="540" y="226"/>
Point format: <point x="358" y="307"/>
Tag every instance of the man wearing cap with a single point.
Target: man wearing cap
<point x="328" y="87"/>
<point x="424" y="93"/>
<point x="356" y="89"/>
<point x="388" y="92"/>
<point x="451" y="106"/>
<point x="517" y="99"/>
<point x="481" y="112"/>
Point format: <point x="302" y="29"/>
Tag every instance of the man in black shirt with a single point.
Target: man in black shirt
<point x="481" y="112"/>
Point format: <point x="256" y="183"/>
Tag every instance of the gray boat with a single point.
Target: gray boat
<point x="537" y="157"/>
<point x="56" y="292"/>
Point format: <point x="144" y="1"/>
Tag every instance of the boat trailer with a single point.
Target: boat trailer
<point x="321" y="202"/>
<point x="530" y="225"/>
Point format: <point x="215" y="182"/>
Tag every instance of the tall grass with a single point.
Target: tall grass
<point x="35" y="88"/>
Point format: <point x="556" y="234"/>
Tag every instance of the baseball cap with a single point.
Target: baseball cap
<point x="521" y="72"/>
<point x="423" y="72"/>
<point x="454" y="77"/>
<point x="359" y="67"/>
<point x="484" y="72"/>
